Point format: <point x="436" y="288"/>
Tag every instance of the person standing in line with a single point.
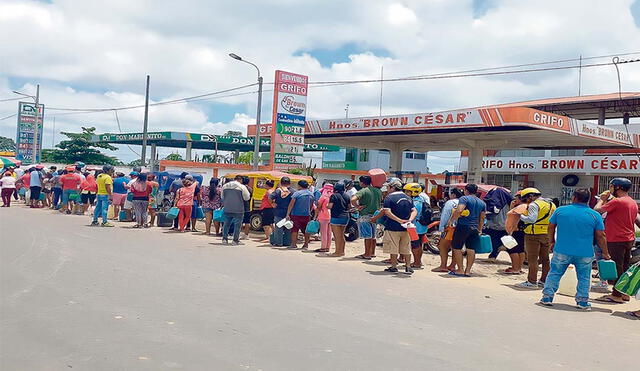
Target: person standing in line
<point x="281" y="197"/>
<point x="70" y="183"/>
<point x="173" y="189"/>
<point x="194" y="209"/>
<point x="104" y="196"/>
<point x="211" y="201"/>
<point x="8" y="185"/>
<point x="234" y="195"/>
<point x="246" y="217"/>
<point x="536" y="239"/>
<point x="469" y="216"/>
<point x="498" y="202"/>
<point x="622" y="212"/>
<point x="266" y="210"/>
<point x="119" y="193"/>
<point x="141" y="189"/>
<point x="514" y="227"/>
<point x="338" y="205"/>
<point x="153" y="198"/>
<point x="444" y="246"/>
<point x="299" y="212"/>
<point x="398" y="210"/>
<point x="576" y="226"/>
<point x="367" y="200"/>
<point x="323" y="217"/>
<point x="88" y="192"/>
<point x="413" y="190"/>
<point x="56" y="188"/>
<point x="349" y="188"/>
<point x="184" y="201"/>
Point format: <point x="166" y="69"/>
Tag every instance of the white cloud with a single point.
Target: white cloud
<point x="96" y="54"/>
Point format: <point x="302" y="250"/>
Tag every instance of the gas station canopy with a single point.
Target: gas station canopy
<point x="486" y="128"/>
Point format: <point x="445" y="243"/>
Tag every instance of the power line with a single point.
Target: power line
<point x="11" y="99"/>
<point x="8" y="117"/>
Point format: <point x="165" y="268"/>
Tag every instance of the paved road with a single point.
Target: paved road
<point x="82" y="298"/>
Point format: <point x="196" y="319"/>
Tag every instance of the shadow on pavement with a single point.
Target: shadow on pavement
<point x="400" y="274"/>
<point x="571" y="308"/>
<point x="625" y="315"/>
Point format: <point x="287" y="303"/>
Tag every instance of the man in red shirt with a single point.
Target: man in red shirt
<point x="70" y="182"/>
<point x="619" y="229"/>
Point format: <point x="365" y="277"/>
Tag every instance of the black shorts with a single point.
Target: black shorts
<point x="417" y="244"/>
<point x="46" y="191"/>
<point x="247" y="217"/>
<point x="267" y="216"/>
<point x="35" y="192"/>
<point x="519" y="237"/>
<point x="465" y="236"/>
<point x="87" y="198"/>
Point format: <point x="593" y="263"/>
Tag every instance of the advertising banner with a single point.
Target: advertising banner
<point x="288" y="124"/>
<point x="24" y="133"/>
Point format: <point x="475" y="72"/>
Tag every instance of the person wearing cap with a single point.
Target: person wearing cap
<point x="281" y="198"/>
<point x="104" y="196"/>
<point x="234" y="195"/>
<point x="70" y="182"/>
<point x="367" y="201"/>
<point x="536" y="238"/>
<point x="622" y="212"/>
<point x="299" y="212"/>
<point x="398" y="210"/>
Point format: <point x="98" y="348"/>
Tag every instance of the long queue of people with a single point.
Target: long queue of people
<point x="576" y="234"/>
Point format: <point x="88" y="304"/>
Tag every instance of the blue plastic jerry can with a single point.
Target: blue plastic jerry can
<point x="607" y="270"/>
<point x="484" y="247"/>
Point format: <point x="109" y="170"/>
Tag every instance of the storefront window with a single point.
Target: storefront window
<point x="364" y="155"/>
<point x="502" y="180"/>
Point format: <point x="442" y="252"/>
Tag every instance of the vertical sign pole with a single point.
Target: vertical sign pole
<point x="144" y="128"/>
<point x="36" y="127"/>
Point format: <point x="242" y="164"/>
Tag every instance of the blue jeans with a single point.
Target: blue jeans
<point x="559" y="264"/>
<point x="101" y="208"/>
<point x="57" y="193"/>
<point x="236" y="219"/>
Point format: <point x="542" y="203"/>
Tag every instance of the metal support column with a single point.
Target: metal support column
<point x="188" y="154"/>
<point x="601" y="115"/>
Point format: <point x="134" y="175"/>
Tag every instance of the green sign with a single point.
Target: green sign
<point x="342" y="165"/>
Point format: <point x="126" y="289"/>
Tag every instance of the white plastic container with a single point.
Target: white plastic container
<point x="281" y="223"/>
<point x="288" y="224"/>
<point x="568" y="282"/>
<point x="508" y="241"/>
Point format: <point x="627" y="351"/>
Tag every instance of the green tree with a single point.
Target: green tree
<point x="7" y="144"/>
<point x="79" y="147"/>
<point x="245" y="158"/>
<point x="174" y="157"/>
<point x="135" y="163"/>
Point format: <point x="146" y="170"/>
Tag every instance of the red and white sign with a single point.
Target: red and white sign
<point x="569" y="164"/>
<point x="287" y="124"/>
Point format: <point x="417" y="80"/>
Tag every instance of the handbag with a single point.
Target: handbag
<point x="218" y="215"/>
<point x="173" y="213"/>
<point x="313" y="227"/>
<point x="629" y="281"/>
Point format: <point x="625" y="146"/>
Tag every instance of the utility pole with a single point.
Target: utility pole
<point x="36" y="128"/>
<point x="144" y="128"/>
<point x="580" y="77"/>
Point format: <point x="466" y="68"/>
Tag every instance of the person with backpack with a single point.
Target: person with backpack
<point x="421" y="222"/>
<point x="469" y="216"/>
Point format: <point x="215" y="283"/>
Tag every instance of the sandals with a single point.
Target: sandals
<point x="456" y="274"/>
<point x="363" y="257"/>
<point x="608" y="299"/>
<point x="635" y="314"/>
<point x="440" y="270"/>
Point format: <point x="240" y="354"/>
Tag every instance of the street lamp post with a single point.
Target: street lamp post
<point x="36" y="98"/>
<point x="256" y="145"/>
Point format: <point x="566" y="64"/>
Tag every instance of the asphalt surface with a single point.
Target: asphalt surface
<point x="90" y="298"/>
